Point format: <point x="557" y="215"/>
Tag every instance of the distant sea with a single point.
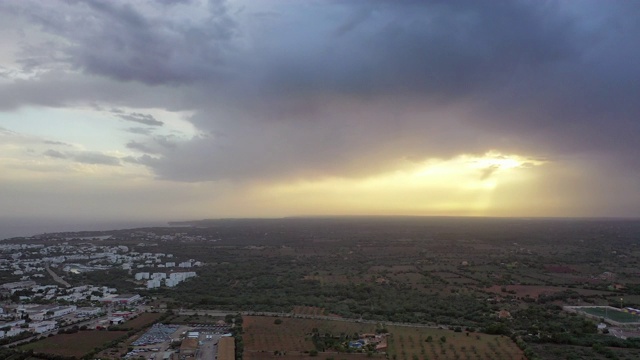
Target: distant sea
<point x="28" y="227"/>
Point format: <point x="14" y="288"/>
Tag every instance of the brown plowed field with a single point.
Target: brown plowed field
<point x="77" y="344"/>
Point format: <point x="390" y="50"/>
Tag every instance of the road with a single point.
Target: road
<point x="221" y="313"/>
<point x="57" y="278"/>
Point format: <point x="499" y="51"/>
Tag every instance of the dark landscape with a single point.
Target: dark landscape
<point x="331" y="279"/>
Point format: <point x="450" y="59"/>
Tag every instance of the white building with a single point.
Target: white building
<point x="88" y="311"/>
<point x="15" y="331"/>
<point x="142" y="275"/>
<point x="42" y="326"/>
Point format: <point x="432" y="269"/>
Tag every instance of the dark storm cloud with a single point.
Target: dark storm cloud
<point x="348" y="87"/>
<point x="154" y="51"/>
<point x="442" y="49"/>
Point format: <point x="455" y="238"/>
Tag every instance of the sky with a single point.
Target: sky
<point x="188" y="109"/>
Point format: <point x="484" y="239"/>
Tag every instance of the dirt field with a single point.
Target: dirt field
<point x="414" y="343"/>
<point x="263" y="337"/>
<point x="262" y="334"/>
<point x="77" y="344"/>
<point x="141" y="321"/>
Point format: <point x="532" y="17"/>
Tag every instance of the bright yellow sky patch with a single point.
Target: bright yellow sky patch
<point x="464" y="185"/>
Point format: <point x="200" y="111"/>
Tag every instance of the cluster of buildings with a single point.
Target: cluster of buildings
<point x="31" y="292"/>
<point x="39" y="308"/>
<point x="38" y="319"/>
<point x="31" y="315"/>
<point x="28" y="260"/>
<point x="157" y="279"/>
<point x="16" y="327"/>
<point x="377" y="342"/>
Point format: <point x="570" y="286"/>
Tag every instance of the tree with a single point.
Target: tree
<point x="429" y="338"/>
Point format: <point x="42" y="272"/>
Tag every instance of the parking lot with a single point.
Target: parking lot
<point x="156" y="342"/>
<point x="158" y="333"/>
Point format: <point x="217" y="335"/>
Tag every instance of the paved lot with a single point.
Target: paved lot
<point x="209" y="349"/>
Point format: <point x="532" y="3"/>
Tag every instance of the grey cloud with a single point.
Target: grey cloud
<point x="57" y="88"/>
<point x="51" y="142"/>
<point x="348" y="87"/>
<point x="55" y="154"/>
<point x="134" y="46"/>
<point x="167" y="142"/>
<point x="140" y="131"/>
<point x="488" y="171"/>
<point x="154" y="145"/>
<point x="145" y="159"/>
<point x="85" y="157"/>
<point x="134" y="145"/>
<point x="95" y="158"/>
<point x="5" y="131"/>
<point x="144" y="119"/>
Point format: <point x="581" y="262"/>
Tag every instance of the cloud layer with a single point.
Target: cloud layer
<point x="287" y="90"/>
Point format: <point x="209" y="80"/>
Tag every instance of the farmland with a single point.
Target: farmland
<point x="291" y="335"/>
<point x="77" y="344"/>
<point x="424" y="343"/>
<point x="265" y="335"/>
<point x="140" y="321"/>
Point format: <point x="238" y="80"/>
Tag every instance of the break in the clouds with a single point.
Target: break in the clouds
<point x="292" y="92"/>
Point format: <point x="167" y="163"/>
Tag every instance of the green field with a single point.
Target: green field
<point x="615" y="315"/>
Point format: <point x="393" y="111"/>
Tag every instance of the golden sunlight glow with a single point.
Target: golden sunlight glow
<point x="464" y="185"/>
